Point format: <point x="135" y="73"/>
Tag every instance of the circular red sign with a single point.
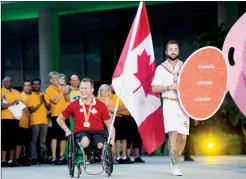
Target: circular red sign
<point x="202" y="83"/>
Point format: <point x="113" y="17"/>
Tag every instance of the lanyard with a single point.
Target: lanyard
<point x="175" y="78"/>
<point x="87" y="115"/>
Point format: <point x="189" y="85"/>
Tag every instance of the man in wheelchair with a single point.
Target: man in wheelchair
<point x="90" y="116"/>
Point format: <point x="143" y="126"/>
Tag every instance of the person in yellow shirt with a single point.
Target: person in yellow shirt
<point x="74" y="92"/>
<point x="38" y="106"/>
<point x="24" y="132"/>
<point x="59" y="98"/>
<point x="104" y="94"/>
<point x="62" y="82"/>
<point x="134" y="141"/>
<point x="112" y="89"/>
<point x="121" y="123"/>
<point x="9" y="124"/>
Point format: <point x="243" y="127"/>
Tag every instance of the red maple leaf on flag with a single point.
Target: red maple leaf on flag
<point x="145" y="73"/>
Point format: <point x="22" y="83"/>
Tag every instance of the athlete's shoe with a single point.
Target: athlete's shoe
<point x="176" y="171"/>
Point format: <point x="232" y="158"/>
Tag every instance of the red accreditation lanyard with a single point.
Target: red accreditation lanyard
<point x="87" y="115"/>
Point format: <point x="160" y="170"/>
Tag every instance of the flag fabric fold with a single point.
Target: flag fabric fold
<point x="132" y="82"/>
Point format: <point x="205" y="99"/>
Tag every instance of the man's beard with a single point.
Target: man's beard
<point x="173" y="58"/>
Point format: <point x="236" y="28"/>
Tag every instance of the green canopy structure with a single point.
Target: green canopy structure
<point x="16" y="10"/>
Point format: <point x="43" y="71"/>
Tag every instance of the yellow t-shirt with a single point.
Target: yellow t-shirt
<point x="25" y="120"/>
<point x="40" y="115"/>
<point x="10" y="96"/>
<point x="107" y="101"/>
<point x="57" y="108"/>
<point x="120" y="105"/>
<point x="74" y="95"/>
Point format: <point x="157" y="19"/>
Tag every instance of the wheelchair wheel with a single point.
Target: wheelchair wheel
<point x="108" y="160"/>
<point x="79" y="170"/>
<point x="71" y="156"/>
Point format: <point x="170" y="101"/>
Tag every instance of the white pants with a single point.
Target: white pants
<point x="175" y="118"/>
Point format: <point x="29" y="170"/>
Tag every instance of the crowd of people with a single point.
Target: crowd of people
<point x="47" y="116"/>
<point x="36" y="137"/>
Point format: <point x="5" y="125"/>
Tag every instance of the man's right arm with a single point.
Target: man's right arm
<point x="32" y="109"/>
<point x="50" y="94"/>
<point x="61" y="121"/>
<point x="57" y="98"/>
<point x="162" y="89"/>
<point x="159" y="89"/>
<point x="47" y="105"/>
<point x="5" y="105"/>
<point x="158" y="85"/>
<point x="63" y="116"/>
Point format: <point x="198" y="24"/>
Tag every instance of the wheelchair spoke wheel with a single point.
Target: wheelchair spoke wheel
<point x="71" y="158"/>
<point x="79" y="170"/>
<point x="68" y="157"/>
<point x="108" y="161"/>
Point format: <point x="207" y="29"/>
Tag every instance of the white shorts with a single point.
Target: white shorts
<point x="174" y="118"/>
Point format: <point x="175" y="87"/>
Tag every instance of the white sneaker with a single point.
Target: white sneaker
<point x="176" y="171"/>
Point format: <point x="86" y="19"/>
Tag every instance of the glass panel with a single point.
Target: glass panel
<point x="92" y="57"/>
<point x="31" y="59"/>
<point x="71" y="61"/>
<point x="12" y="63"/>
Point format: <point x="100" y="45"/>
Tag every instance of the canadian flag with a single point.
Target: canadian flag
<point x="132" y="82"/>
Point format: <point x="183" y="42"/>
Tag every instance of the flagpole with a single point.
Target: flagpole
<point x="115" y="111"/>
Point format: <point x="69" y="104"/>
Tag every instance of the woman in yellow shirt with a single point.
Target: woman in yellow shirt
<point x="121" y="124"/>
<point x="104" y="94"/>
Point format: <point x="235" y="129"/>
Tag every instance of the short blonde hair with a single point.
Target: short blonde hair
<point x="100" y="88"/>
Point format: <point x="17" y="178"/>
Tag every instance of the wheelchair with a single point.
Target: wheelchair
<point x="76" y="150"/>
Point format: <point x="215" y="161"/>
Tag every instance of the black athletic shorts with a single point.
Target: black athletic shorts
<point x="134" y="139"/>
<point x="24" y="136"/>
<point x="56" y="131"/>
<point x="121" y="125"/>
<point x="9" y="129"/>
<point x="94" y="136"/>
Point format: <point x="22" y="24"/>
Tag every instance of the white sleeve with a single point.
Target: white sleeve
<point x="158" y="78"/>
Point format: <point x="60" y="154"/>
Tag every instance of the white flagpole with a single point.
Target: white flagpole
<point x="115" y="111"/>
<point x="134" y="31"/>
